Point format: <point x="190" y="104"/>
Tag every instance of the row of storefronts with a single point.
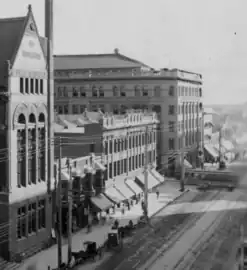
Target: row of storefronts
<point x="94" y="198"/>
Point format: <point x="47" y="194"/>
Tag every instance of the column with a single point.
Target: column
<point x="127" y="154"/>
<point x="37" y="153"/>
<point x="108" y="154"/>
<point x="26" y="153"/>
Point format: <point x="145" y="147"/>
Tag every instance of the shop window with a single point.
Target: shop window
<point x="41" y="214"/>
<point x="82" y="108"/>
<point x="21" y="222"/>
<point x="22" y="85"/>
<point x="41" y="87"/>
<point x="142" y="159"/>
<point x="114" y="169"/>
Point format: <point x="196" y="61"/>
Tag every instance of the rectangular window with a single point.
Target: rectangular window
<point x="130" y="164"/>
<point x="22" y="85"/>
<point x="66" y="109"/>
<point x="75" y="92"/>
<point x="41" y="87"/>
<point x="171" y="110"/>
<point x="75" y="109"/>
<point x="26" y="85"/>
<point x="171" y="144"/>
<point x="41" y="214"/>
<point x="171" y="126"/>
<point x="21" y="222"/>
<point x="145" y="93"/>
<point x="36" y="86"/>
<point x="32" y="86"/>
<point x="110" y="170"/>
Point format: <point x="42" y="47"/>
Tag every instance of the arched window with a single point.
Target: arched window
<point x="21" y="119"/>
<point x="31" y="118"/>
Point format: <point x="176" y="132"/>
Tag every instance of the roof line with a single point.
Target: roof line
<point x="83" y="55"/>
<point x="12" y="19"/>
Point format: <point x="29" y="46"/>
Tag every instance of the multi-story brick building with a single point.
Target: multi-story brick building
<point x="124" y="140"/>
<point x="115" y="83"/>
<point x="25" y="202"/>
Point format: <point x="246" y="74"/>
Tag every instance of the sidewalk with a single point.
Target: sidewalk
<point x="48" y="257"/>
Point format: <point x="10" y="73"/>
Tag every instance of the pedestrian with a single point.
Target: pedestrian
<point x="157" y="193"/>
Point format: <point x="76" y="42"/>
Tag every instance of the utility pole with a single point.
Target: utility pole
<point x="242" y="247"/>
<point x="146" y="175"/>
<point x="50" y="86"/>
<point x="59" y="206"/>
<point x="70" y="205"/>
<point x="182" y="153"/>
<point x="220" y="147"/>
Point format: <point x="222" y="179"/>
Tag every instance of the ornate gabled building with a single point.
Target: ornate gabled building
<point x="25" y="201"/>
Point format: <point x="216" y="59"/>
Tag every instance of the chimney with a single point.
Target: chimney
<point x="116" y="51"/>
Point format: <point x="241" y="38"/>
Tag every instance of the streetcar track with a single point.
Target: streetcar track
<point x="190" y="263"/>
<point x="180" y="230"/>
<point x="119" y="260"/>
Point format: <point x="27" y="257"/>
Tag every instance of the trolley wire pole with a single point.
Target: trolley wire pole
<point x="59" y="206"/>
<point x="182" y="152"/>
<point x="70" y="205"/>
<point x="146" y="175"/>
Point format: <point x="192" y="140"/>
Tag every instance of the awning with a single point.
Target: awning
<point x="210" y="149"/>
<point x="158" y="176"/>
<point x="114" y="195"/>
<point x="152" y="182"/>
<point x="99" y="166"/>
<point x="187" y="164"/>
<point x="101" y="202"/>
<point x="132" y="184"/>
<point x="64" y="176"/>
<point x="123" y="188"/>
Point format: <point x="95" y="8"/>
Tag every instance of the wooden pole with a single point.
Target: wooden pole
<point x="70" y="205"/>
<point x="59" y="206"/>
<point x="146" y="174"/>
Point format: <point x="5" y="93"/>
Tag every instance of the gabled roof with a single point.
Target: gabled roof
<point x="95" y="61"/>
<point x="10" y="30"/>
<point x="11" y="33"/>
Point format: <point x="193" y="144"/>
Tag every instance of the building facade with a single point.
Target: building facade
<point x="25" y="202"/>
<point x="115" y="83"/>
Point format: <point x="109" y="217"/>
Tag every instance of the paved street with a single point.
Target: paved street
<point x="168" y="192"/>
<point x="181" y="253"/>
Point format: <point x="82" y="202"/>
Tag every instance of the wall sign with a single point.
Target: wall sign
<point x="32" y="55"/>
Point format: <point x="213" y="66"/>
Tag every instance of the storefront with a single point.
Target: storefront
<point x="152" y="181"/>
<point x="133" y="186"/>
<point x="114" y="195"/>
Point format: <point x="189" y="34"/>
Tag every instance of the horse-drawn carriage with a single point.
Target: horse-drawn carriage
<point x="90" y="251"/>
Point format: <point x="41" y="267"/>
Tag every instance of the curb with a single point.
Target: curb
<point x="169" y="203"/>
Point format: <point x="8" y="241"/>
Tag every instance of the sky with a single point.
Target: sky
<point x="203" y="36"/>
